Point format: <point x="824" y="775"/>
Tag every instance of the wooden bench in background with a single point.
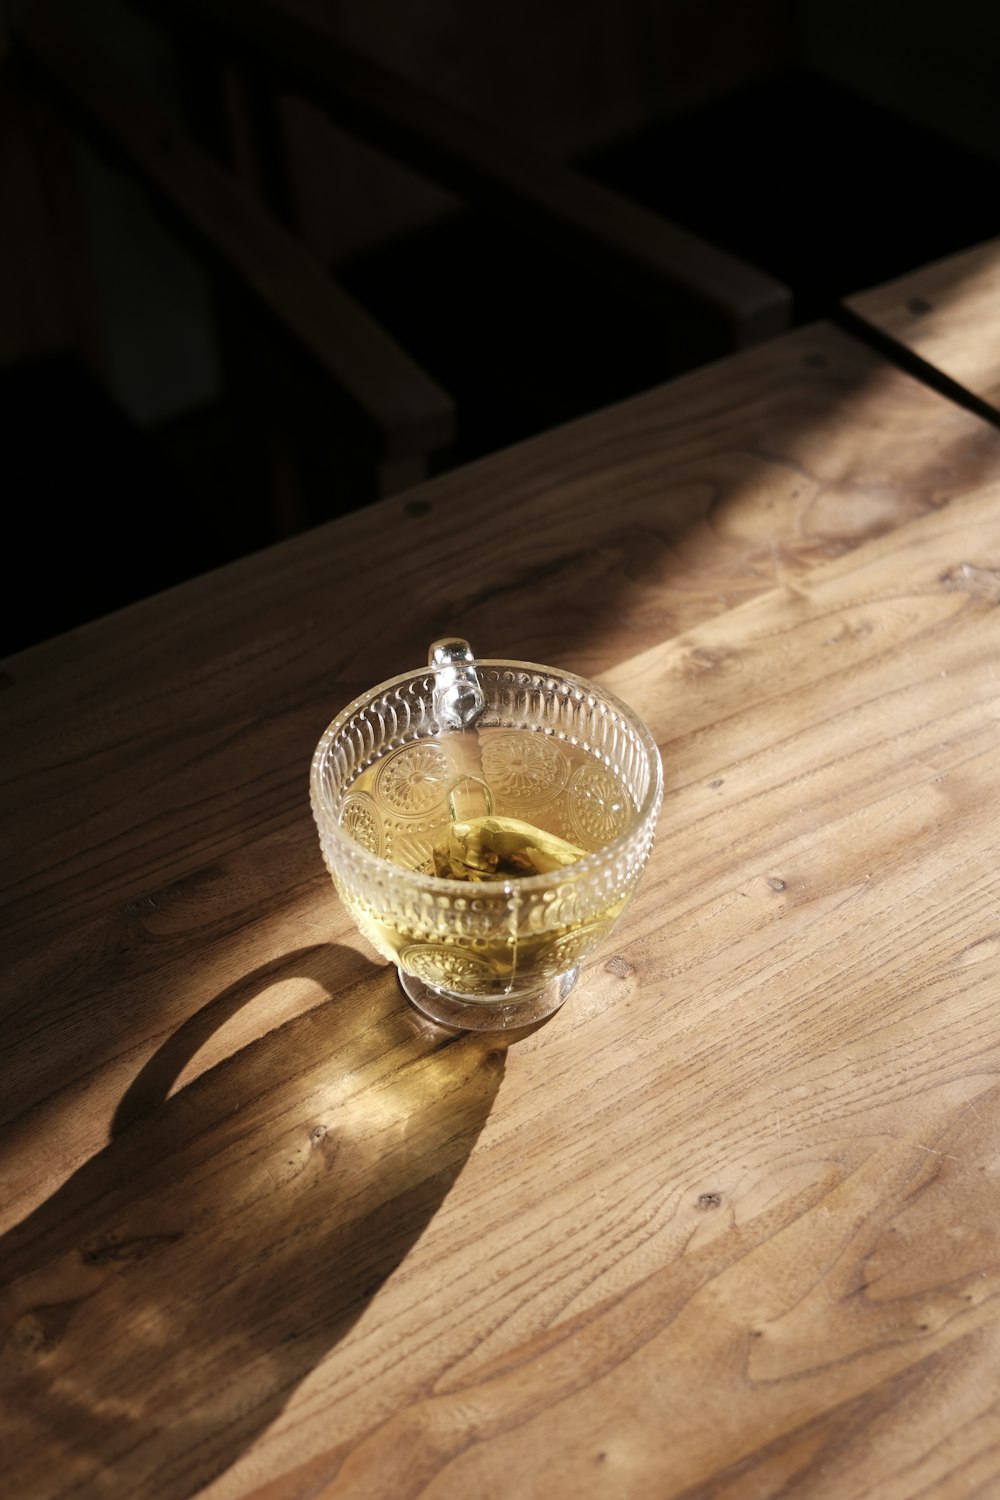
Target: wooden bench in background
<point x="494" y="169"/>
<point x="351" y="358"/>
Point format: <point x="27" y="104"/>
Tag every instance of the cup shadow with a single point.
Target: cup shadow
<point x="162" y="1306"/>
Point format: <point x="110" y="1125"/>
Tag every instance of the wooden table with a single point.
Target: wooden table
<point x="729" y="1223"/>
<point x="948" y="315"/>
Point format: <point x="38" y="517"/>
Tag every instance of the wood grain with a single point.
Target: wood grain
<point x="948" y="313"/>
<point x="757" y="1233"/>
<point x="728" y="1224"/>
<point x="188" y="722"/>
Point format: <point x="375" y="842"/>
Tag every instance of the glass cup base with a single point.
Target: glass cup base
<point x="487" y="1015"/>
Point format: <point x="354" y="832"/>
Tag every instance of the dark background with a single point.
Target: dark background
<point x="834" y="145"/>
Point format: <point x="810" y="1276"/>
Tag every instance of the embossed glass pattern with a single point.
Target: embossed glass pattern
<point x="555" y="751"/>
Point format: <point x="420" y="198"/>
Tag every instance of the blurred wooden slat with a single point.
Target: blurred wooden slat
<point x="948" y="314"/>
<point x="412" y="414"/>
<point x="579" y="81"/>
<point x="491" y="167"/>
<point x="48" y="299"/>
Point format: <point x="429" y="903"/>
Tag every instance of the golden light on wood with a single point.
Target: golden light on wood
<point x="728" y="1224"/>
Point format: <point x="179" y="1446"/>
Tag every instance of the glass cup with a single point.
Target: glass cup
<point x="450" y="750"/>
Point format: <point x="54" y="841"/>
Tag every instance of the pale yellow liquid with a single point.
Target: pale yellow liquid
<point x="557" y="788"/>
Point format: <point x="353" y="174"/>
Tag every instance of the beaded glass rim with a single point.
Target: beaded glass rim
<point x="327" y="820"/>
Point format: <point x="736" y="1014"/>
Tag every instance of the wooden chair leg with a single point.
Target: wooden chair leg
<point x="48" y="290"/>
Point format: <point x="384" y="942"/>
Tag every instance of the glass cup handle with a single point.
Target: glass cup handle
<point x="459" y="701"/>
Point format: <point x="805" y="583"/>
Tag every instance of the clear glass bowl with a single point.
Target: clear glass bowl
<point x="401" y="763"/>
